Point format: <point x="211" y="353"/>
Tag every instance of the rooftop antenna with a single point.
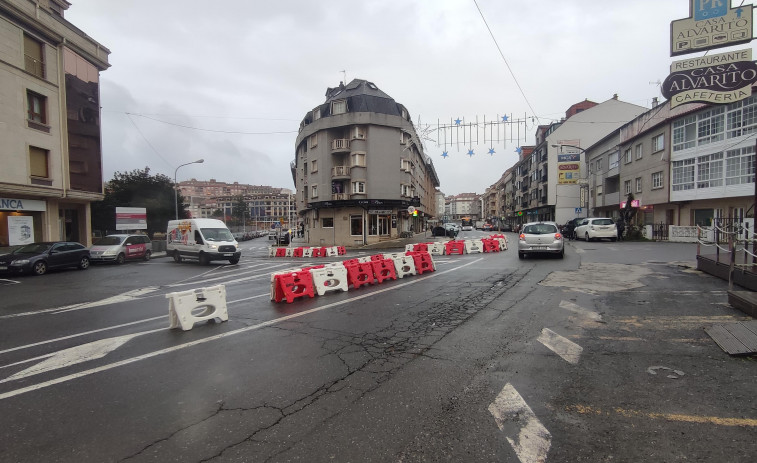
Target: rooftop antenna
<point x="345" y="76"/>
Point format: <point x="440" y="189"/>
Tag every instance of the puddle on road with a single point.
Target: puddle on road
<point x="596" y="277"/>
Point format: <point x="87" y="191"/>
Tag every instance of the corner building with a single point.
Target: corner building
<point x="49" y="123"/>
<point x="359" y="167"/>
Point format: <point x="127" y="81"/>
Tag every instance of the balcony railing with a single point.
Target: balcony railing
<point x="340" y="144"/>
<point x="340" y="196"/>
<point x="340" y="171"/>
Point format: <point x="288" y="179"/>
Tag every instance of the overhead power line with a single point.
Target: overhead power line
<point x="210" y="130"/>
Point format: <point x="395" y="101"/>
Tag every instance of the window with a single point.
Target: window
<point x="710" y="170"/>
<point x="657" y="180"/>
<point x="658" y="143"/>
<point x="683" y="175"/>
<point x="405" y="165"/>
<point x="33" y="56"/>
<point x="742" y="117"/>
<point x="358" y="188"/>
<point x="710" y="125"/>
<point x="739" y="166"/>
<point x="684" y="133"/>
<point x="627" y="186"/>
<point x="639" y="151"/>
<point x="405" y="190"/>
<point x="327" y="222"/>
<point x="358" y="132"/>
<point x="38" y="162"/>
<point x="314" y="166"/>
<point x="599" y="190"/>
<point x="338" y="107"/>
<point x="356" y="225"/>
<point x="638" y="184"/>
<point x="317" y="113"/>
<point x="599" y="165"/>
<point x="313" y="140"/>
<point x="613" y="161"/>
<point x="313" y="191"/>
<point x="358" y="159"/>
<point x="36" y="107"/>
<point x="627" y="157"/>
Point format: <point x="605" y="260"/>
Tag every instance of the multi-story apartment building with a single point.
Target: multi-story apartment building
<point x="551" y="181"/>
<point x="463" y="205"/>
<point x="50" y="123"/>
<point x="265" y="205"/>
<point x="359" y="165"/>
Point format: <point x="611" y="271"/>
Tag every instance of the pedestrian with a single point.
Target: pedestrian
<point x="621" y="228"/>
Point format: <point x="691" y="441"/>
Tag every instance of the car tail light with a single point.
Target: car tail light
<point x="558" y="236"/>
<point x="522" y="237"/>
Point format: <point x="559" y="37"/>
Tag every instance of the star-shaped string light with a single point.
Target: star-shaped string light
<point x="458" y="121"/>
<point x="517" y="150"/>
<point x="470" y="152"/>
<point x="504" y="118"/>
<point x="491" y="151"/>
<point x="444" y="154"/>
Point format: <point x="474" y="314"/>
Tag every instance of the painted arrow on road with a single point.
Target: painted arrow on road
<point x="533" y="441"/>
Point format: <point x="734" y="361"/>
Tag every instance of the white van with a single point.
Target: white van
<point x="201" y="239"/>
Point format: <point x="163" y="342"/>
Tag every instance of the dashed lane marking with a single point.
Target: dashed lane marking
<point x="534" y="440"/>
<point x="564" y="347"/>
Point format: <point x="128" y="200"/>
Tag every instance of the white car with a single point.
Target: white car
<point x="596" y="228"/>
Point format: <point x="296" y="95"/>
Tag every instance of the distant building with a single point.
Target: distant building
<point x="359" y="166"/>
<point x="52" y="159"/>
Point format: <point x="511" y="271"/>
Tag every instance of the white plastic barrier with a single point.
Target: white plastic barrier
<point x="329" y="279"/>
<point x="332" y="251"/>
<point x="183" y="306"/>
<point x="473" y="246"/>
<point x="271" y="251"/>
<point x="364" y="260"/>
<point x="436" y="249"/>
<point x="502" y="244"/>
<point x="403" y="265"/>
<point x="307" y="252"/>
<point x="290" y="252"/>
<point x="409" y="247"/>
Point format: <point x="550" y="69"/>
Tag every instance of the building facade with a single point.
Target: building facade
<point x="50" y="124"/>
<point x="359" y="167"/>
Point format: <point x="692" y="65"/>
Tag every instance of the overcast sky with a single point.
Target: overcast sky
<point x="240" y="75"/>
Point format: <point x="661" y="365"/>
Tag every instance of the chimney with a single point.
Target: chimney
<point x="615" y="96"/>
<point x="655" y="102"/>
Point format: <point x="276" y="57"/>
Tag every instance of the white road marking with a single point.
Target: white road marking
<point x="586" y="313"/>
<point x="8" y="282"/>
<point x="81" y="334"/>
<point x="78" y="354"/>
<point x="168" y="350"/>
<point x="124" y="297"/>
<point x="534" y="440"/>
<point x="564" y="347"/>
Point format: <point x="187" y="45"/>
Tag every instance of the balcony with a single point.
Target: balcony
<point x="34" y="66"/>
<point x="340" y="196"/>
<point x="340" y="172"/>
<point x="340" y="145"/>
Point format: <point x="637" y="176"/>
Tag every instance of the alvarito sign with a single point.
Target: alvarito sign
<point x="720" y="79"/>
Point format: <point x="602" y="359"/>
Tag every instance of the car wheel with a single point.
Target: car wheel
<point x="204" y="259"/>
<point x="234" y="261"/>
<point x="120" y="259"/>
<point x="148" y="254"/>
<point x="613" y="239"/>
<point x="177" y="257"/>
<point x="586" y="237"/>
<point x="84" y="263"/>
<point x="562" y="254"/>
<point x="40" y="267"/>
<point x="521" y="255"/>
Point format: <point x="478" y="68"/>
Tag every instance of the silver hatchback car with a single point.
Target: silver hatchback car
<point x="540" y="238"/>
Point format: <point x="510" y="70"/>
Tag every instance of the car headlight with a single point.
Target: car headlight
<point x="109" y="252"/>
<point x="20" y="262"/>
<point x="213" y="246"/>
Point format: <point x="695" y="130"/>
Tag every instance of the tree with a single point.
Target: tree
<point x="627" y="214"/>
<point x="138" y="189"/>
<point x="239" y="210"/>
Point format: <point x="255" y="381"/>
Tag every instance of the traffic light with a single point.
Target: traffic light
<point x="415" y="213"/>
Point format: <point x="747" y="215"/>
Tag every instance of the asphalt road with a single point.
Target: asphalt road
<point x="600" y="356"/>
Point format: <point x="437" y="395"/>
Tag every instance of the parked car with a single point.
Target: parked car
<point x="568" y="230"/>
<point x="505" y="227"/>
<point x="38" y="258"/>
<point x="284" y="238"/>
<point x="487" y="227"/>
<point x="540" y="237"/>
<point x="120" y="248"/>
<point x="596" y="228"/>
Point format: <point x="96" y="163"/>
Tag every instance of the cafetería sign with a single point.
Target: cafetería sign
<point x="720" y="79"/>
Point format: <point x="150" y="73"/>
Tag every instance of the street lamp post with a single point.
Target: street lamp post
<point x="176" y="187"/>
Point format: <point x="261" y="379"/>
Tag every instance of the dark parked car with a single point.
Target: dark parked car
<point x="38" y="258"/>
<point x="568" y="230"/>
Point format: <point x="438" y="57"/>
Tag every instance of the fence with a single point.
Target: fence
<point x="740" y="250"/>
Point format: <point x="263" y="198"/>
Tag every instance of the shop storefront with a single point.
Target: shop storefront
<point x="21" y="221"/>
